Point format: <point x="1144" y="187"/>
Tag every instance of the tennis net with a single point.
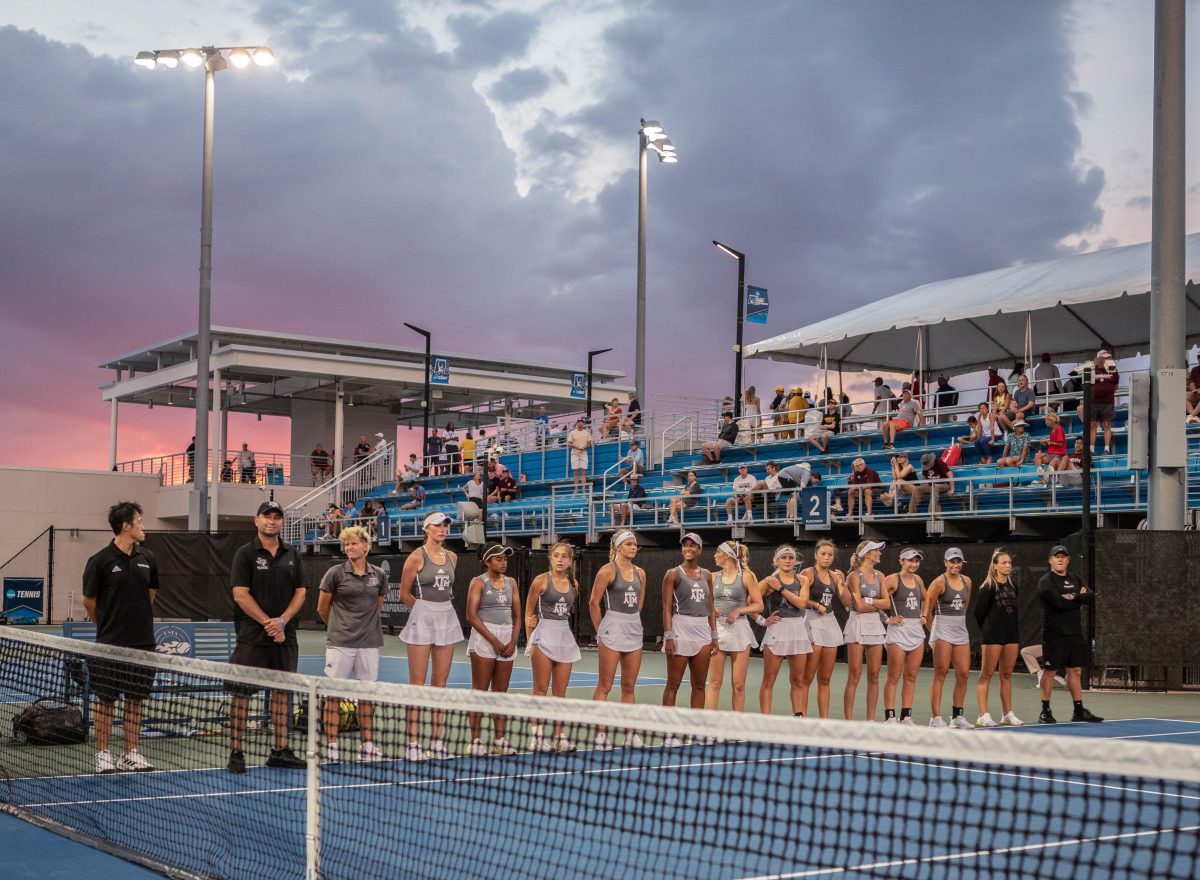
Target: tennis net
<point x="742" y="796"/>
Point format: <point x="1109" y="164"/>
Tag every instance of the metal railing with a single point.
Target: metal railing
<point x="377" y="468"/>
<point x="264" y="468"/>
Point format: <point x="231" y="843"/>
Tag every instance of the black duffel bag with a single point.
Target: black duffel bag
<point x="50" y="722"/>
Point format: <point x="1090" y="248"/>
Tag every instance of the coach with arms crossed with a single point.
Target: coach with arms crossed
<point x="1064" y="648"/>
<point x="268" y="588"/>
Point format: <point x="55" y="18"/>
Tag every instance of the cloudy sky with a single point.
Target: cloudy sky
<point x="471" y="167"/>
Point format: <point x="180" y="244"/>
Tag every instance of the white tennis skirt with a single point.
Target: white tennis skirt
<point x="432" y="623"/>
<point x="865" y="629"/>
<point x="621" y="632"/>
<point x="692" y="635"/>
<point x="481" y="647"/>
<point x="824" y="629"/>
<point x="736" y="638"/>
<point x="554" y="639"/>
<point x="909" y="635"/>
<point x="952" y="630"/>
<point x="788" y="637"/>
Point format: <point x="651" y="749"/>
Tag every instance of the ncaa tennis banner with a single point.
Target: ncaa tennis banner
<point x="579" y="385"/>
<point x="24" y="599"/>
<point x="439" y="371"/>
<point x="756" y="304"/>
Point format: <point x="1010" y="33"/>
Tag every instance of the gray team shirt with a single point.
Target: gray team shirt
<point x="907" y="600"/>
<point x="691" y="594"/>
<point x="952" y="603"/>
<point x="495" y="606"/>
<point x="354" y="620"/>
<point x="729" y="597"/>
<point x="434" y="583"/>
<point x="779" y="604"/>
<point x="623" y="595"/>
<point x="554" y="604"/>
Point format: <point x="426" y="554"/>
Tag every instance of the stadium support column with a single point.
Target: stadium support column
<point x="217" y="456"/>
<point x="198" y="513"/>
<point x="741" y="323"/>
<point x="1168" y="452"/>
<point x="112" y="437"/>
<point x="339" y="429"/>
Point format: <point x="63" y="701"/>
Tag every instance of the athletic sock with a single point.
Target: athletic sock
<point x="889" y="713"/>
<point x="1078" y="705"/>
<point x="956" y="711"/>
<point x="1045" y="705"/>
<point x="797" y="714"/>
<point x="906" y="712"/>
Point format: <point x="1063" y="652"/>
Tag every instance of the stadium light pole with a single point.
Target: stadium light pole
<point x="212" y="59"/>
<point x="741" y="322"/>
<point x="591" y="356"/>
<point x="650" y="137"/>
<point x="425" y="400"/>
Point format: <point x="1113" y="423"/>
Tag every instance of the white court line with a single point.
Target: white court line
<point x="949" y="857"/>
<point x="1148" y="735"/>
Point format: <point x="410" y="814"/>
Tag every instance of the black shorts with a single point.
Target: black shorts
<point x="1064" y="652"/>
<point x="1102" y="412"/>
<point x="111" y="678"/>
<point x="1002" y="631"/>
<point x="282" y="657"/>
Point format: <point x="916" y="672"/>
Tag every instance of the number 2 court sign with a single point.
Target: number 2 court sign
<point x="24" y="599"/>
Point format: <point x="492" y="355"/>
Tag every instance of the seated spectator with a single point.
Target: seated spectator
<point x="831" y="423"/>
<point x="770" y="484"/>
<point x="778" y="407"/>
<point x="1054" y="448"/>
<point x="504" y="489"/>
<point x="612" y="418"/>
<point x="908" y="415"/>
<point x="362" y="450"/>
<point x="939" y="481"/>
<point x="987" y="433"/>
<point x="366" y="517"/>
<point x="1016" y="447"/>
<point x="331" y="520"/>
<point x="726" y="437"/>
<point x="689" y="496"/>
<point x="473" y="489"/>
<point x="633" y="413"/>
<point x="1192" y="403"/>
<point x="945" y="397"/>
<point x="416" y="497"/>
<point x="1024" y="400"/>
<point x="1003" y="407"/>
<point x="320" y="463"/>
<point x="635" y="500"/>
<point x="1045" y="378"/>
<point x="633" y="462"/>
<point x="861" y="485"/>
<point x="903" y="477"/>
<point x="743" y="489"/>
<point x="1070" y="466"/>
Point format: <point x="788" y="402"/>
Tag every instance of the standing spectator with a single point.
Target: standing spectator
<point x="945" y="397"/>
<point x="579" y="441"/>
<point x="321" y="464"/>
<point x="862" y="484"/>
<point x="1016" y="447"/>
<point x="939" y="482"/>
<point x="362" y="450"/>
<point x="452" y="450"/>
<point x="689" y="496"/>
<point x="726" y="437"/>
<point x="634" y="501"/>
<point x="797" y="406"/>
<point x="541" y="424"/>
<point x="633" y="462"/>
<point x="1192" y="402"/>
<point x="350" y="603"/>
<point x="474" y="490"/>
<point x="467" y="448"/>
<point x="443" y="456"/>
<point x="908" y="415"/>
<point x="903" y="477"/>
<point x="416" y="497"/>
<point x="191" y="460"/>
<point x="752" y="412"/>
<point x="1045" y="378"/>
<point x="1018" y="370"/>
<point x="777" y="404"/>
<point x="119" y="586"/>
<point x="381" y="443"/>
<point x="993" y="379"/>
<point x="1104" y="390"/>
<point x="612" y="418"/>
<point x="1064" y="649"/>
<point x="883" y="397"/>
<point x="267" y="580"/>
<point x="830" y="424"/>
<point x="432" y="452"/>
<point x="1024" y="400"/>
<point x="245" y="460"/>
<point x="633" y="413"/>
<point x="743" y="494"/>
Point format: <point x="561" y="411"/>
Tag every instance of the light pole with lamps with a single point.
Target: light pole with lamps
<point x="212" y="60"/>
<point x="741" y="321"/>
<point x="591" y="356"/>
<point x="425" y="400"/>
<point x="650" y="137"/>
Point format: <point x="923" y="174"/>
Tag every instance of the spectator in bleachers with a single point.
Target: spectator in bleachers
<point x="993" y="379"/>
<point x="411" y="472"/>
<point x="726" y="437"/>
<point x="908" y="415"/>
<point x="1192" y="401"/>
<point x="503" y="489"/>
<point x="845" y="410"/>
<point x="770" y="484"/>
<point x="797" y="404"/>
<point x="1003" y="407"/>
<point x="752" y="413"/>
<point x="1016" y="447"/>
<point x="366" y="517"/>
<point x="792" y="478"/>
<point x="474" y="489"/>
<point x="1017" y="371"/>
<point x="743" y="489"/>
<point x="862" y="484"/>
<point x="190" y="452"/>
<point x="612" y="418"/>
<point x="452" y="450"/>
<point x="903" y="475"/>
<point x="633" y="413"/>
<point x="946" y="396"/>
<point x="227" y="470"/>
<point x="689" y="496"/>
<point x="331" y="520"/>
<point x="245" y="460"/>
<point x="1045" y="378"/>
<point x="380" y="442"/>
<point x="320" y="463"/>
<point x="778" y="405"/>
<point x="1073" y="384"/>
<point x="987" y="433"/>
<point x="635" y="500"/>
<point x="1054" y="448"/>
<point x="939" y="482"/>
<point x="1068" y="472"/>
<point x="1104" y="390"/>
<point x="362" y="450"/>
<point x="1024" y="400"/>
<point x="633" y="462"/>
<point x="416" y="497"/>
<point x="883" y="398"/>
<point x="830" y="424"/>
<point x="467" y="450"/>
<point x="579" y="441"/>
<point x="541" y="424"/>
<point x="432" y="452"/>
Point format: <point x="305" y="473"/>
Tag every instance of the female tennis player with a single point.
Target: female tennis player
<point x="689" y="626"/>
<point x="619" y="634"/>
<point x="786" y="598"/>
<point x="823" y="583"/>
<point x="432" y="631"/>
<point x="905" y="635"/>
<point x="864" y="629"/>
<point x="494" y="613"/>
<point x="996" y="614"/>
<point x="549" y="643"/>
<point x="736" y="596"/>
<point x="949" y="595"/>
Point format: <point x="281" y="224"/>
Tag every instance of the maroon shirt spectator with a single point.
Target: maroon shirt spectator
<point x="861" y="483"/>
<point x="1104" y="390"/>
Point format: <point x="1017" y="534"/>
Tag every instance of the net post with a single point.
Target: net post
<point x="312" y="818"/>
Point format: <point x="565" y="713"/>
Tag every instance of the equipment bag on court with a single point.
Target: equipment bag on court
<point x="50" y="722"/>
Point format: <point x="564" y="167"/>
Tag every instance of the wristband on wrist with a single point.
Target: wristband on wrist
<point x="714" y="635"/>
<point x="760" y="620"/>
<point x="668" y="636"/>
<point x="869" y="600"/>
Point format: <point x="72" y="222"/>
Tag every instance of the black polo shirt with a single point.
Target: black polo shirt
<point x="1061" y="617"/>
<point x="121" y="586"/>
<point x="272" y="580"/>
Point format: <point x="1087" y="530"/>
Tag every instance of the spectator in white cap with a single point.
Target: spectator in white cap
<point x="743" y="494"/>
<point x="380" y="442"/>
<point x="1016" y="447"/>
<point x="1104" y="389"/>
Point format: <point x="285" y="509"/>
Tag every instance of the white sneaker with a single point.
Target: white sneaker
<point x="749" y="517"/>
<point x="370" y="752"/>
<point x="565" y="745"/>
<point x="671" y="741"/>
<point x="502" y="747"/>
<point x="412" y="752"/>
<point x="477" y="749"/>
<point x="1038" y="683"/>
<point x="892" y="720"/>
<point x="729" y="518"/>
<point x="702" y="740"/>
<point x="937" y="722"/>
<point x="540" y="744"/>
<point x="332" y="754"/>
<point x="133" y="762"/>
<point x="1106" y="451"/>
<point x="908" y="720"/>
<point x="602" y="743"/>
<point x="1011" y="720"/>
<point x="985" y="720"/>
<point x="961" y="723"/>
<point x="631" y="740"/>
<point x="438" y="750"/>
<point x="104" y="762"/>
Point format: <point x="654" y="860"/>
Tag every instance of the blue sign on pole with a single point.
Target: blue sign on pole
<point x="24" y="599"/>
<point x="814" y="508"/>
<point x="756" y="304"/>
<point x="579" y="385"/>
<point x="439" y="371"/>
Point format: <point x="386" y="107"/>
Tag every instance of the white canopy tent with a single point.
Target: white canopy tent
<point x="1068" y="306"/>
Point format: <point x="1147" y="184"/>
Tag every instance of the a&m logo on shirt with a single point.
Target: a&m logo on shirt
<point x="697" y="594"/>
<point x="911" y="602"/>
<point x="630" y="598"/>
<point x="956" y="603"/>
<point x="441" y="580"/>
<point x="560" y="608"/>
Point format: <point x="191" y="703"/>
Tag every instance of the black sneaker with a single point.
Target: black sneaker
<point x="1082" y="714"/>
<point x="237" y="762"/>
<point x="1047" y="717"/>
<point x="285" y="757"/>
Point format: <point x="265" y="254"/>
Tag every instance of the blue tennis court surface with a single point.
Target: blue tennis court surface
<point x="1164" y="730"/>
<point x="395" y="669"/>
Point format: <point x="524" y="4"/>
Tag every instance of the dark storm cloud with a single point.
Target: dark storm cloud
<point x="521" y="84"/>
<point x="487" y="40"/>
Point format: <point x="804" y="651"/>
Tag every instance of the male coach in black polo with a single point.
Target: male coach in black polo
<point x="268" y="588"/>
<point x="119" y="584"/>
<point x="1064" y="649"/>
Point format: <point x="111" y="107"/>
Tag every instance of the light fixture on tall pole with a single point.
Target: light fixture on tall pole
<point x="650" y="137"/>
<point x="741" y="322"/>
<point x="212" y="60"/>
<point x="591" y="356"/>
<point x="425" y="399"/>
